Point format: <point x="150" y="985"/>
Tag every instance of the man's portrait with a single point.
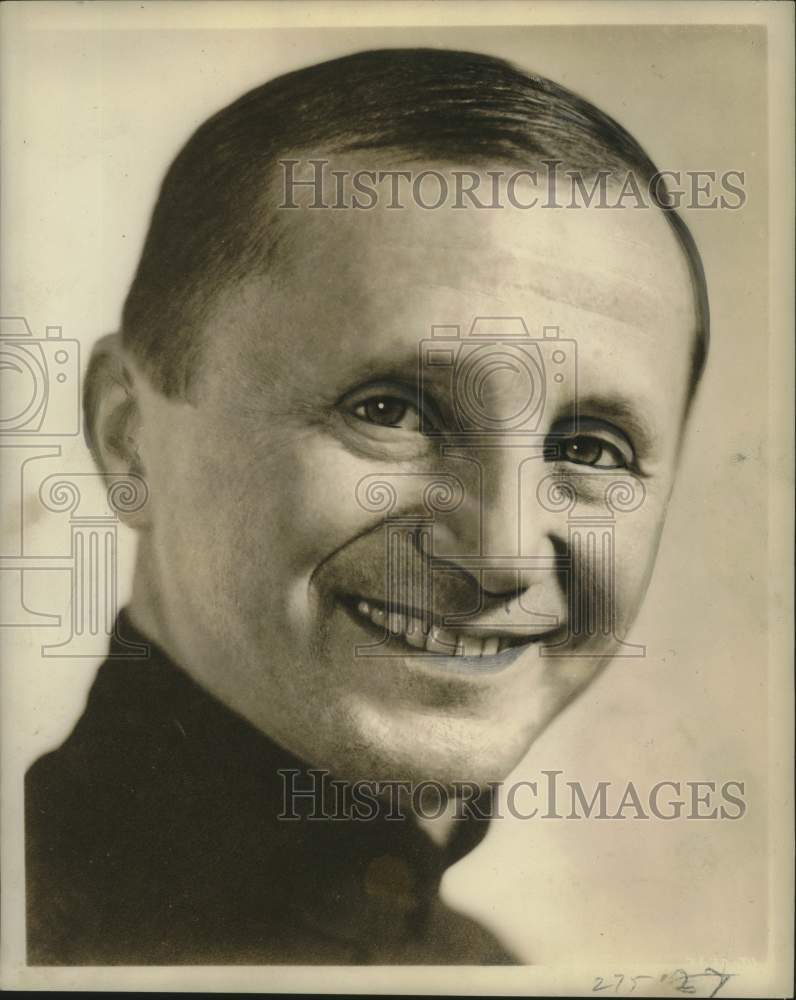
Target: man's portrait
<point x="416" y="451"/>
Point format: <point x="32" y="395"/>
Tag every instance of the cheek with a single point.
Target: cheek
<point x="635" y="547"/>
<point x="259" y="528"/>
<point x="194" y="533"/>
<point x="312" y="504"/>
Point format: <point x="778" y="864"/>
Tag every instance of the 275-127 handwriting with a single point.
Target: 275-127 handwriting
<point x="699" y="984"/>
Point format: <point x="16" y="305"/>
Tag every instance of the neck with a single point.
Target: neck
<point x="146" y="608"/>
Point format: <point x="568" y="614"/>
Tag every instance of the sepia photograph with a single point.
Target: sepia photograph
<point x="397" y="467"/>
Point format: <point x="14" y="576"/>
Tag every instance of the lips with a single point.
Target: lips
<point x="478" y="642"/>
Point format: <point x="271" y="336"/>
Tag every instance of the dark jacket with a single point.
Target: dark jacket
<point x="153" y="837"/>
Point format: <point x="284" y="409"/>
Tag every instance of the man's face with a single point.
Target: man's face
<point x="269" y="554"/>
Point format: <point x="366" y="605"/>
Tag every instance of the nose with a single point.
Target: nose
<point x="500" y="533"/>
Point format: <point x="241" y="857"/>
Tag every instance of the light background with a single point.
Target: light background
<point x="93" y="115"/>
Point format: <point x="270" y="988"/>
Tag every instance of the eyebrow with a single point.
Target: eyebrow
<point x="379" y="368"/>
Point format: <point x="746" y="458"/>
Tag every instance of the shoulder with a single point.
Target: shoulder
<point x="102" y="812"/>
<point x="147" y="841"/>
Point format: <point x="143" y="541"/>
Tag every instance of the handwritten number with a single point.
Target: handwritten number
<point x="723" y="978"/>
<point x="685" y="986"/>
<point x="679" y="980"/>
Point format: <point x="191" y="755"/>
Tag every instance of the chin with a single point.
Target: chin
<point x="445" y="750"/>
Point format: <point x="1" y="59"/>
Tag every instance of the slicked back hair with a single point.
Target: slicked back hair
<point x="215" y="221"/>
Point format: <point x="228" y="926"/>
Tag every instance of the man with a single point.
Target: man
<point x="285" y="355"/>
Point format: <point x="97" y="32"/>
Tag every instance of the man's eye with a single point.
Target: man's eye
<point x="388" y="411"/>
<point x="585" y="449"/>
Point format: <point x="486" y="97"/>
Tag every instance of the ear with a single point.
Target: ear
<point x="112" y="415"/>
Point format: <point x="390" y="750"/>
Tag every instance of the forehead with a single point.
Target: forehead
<point x="624" y="262"/>
<point x="363" y="287"/>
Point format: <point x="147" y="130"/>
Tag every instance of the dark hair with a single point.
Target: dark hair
<point x="432" y="103"/>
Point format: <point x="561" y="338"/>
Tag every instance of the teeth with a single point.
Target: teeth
<point x="473" y="646"/>
<point x="490" y="646"/>
<point x="415" y="638"/>
<point x="440" y="641"/>
<point x="396" y="623"/>
<point x="437" y="640"/>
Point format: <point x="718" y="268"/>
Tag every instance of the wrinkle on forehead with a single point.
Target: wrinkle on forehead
<point x="624" y="264"/>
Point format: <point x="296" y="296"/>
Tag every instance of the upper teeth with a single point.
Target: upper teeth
<point x="429" y="637"/>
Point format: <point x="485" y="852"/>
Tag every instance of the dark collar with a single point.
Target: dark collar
<point x="220" y="784"/>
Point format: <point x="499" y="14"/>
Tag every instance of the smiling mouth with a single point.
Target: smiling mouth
<point x="434" y="640"/>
